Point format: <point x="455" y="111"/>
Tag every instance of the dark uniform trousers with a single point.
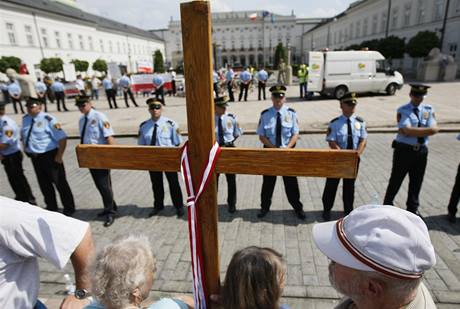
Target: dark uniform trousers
<point x="60" y="98"/>
<point x="243" y="88"/>
<point x="111" y="96"/>
<point x="17" y="179"/>
<point x="160" y="94"/>
<point x="215" y="87"/>
<point x="103" y="183"/>
<point x="231" y="98"/>
<point x="290" y="185"/>
<point x="261" y="89"/>
<point x="303" y="90"/>
<point x="43" y="102"/>
<point x="231" y="185"/>
<point x="455" y="196"/>
<point x="126" y="92"/>
<point x="348" y="193"/>
<point x="407" y="160"/>
<point x="17" y="101"/>
<point x="159" y="192"/>
<point x="48" y="173"/>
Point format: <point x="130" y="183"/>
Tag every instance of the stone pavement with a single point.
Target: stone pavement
<point x="307" y="283"/>
<point x="379" y="110"/>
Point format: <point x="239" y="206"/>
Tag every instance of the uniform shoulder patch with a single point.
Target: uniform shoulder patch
<point x="48" y="117"/>
<point x="335" y="119"/>
<point x="264" y="111"/>
<point x="359" y="119"/>
<point x="291" y="110"/>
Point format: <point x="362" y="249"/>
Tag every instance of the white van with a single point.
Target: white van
<point x="338" y="72"/>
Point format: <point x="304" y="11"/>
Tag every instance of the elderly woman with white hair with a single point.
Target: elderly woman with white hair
<point x="122" y="276"/>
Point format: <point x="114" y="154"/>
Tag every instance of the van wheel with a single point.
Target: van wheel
<point x="340" y="92"/>
<point x="391" y="89"/>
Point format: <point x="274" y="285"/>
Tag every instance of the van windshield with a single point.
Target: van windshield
<point x="383" y="66"/>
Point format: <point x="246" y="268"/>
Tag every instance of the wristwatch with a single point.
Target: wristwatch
<point x="81" y="293"/>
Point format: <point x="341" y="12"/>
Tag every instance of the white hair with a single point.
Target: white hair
<point x="121" y="267"/>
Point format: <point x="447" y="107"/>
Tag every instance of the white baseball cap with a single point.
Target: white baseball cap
<point x="385" y="239"/>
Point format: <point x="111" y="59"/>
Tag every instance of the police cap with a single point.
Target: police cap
<point x="349" y="98"/>
<point x="153" y="101"/>
<point x="33" y="101"/>
<point x="221" y="101"/>
<point x="81" y="100"/>
<point x="419" y="90"/>
<point x="278" y="91"/>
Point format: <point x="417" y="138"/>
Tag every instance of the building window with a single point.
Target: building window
<point x="453" y="49"/>
<point x="421" y="12"/>
<point x="101" y="45"/>
<point x="118" y="48"/>
<point x="375" y="20"/>
<point x="394" y="18"/>
<point x="110" y="47"/>
<point x="90" y="43"/>
<point x="58" y="39"/>
<point x="457" y="7"/>
<point x="70" y="40"/>
<point x="365" y="27"/>
<point x="383" y="22"/>
<point x="80" y="41"/>
<point x="351" y="31"/>
<point x="358" y="28"/>
<point x="44" y="37"/>
<point x="407" y="12"/>
<point x="438" y="9"/>
<point x="11" y="33"/>
<point x="29" y="36"/>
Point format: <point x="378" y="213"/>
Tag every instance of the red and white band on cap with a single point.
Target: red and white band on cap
<point x="368" y="261"/>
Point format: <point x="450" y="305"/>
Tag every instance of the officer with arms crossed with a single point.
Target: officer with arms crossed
<point x="278" y="128"/>
<point x="227" y="131"/>
<point x="416" y="121"/>
<point x="262" y="77"/>
<point x="11" y="157"/>
<point x="45" y="143"/>
<point x="345" y="132"/>
<point x="95" y="129"/>
<point x="161" y="131"/>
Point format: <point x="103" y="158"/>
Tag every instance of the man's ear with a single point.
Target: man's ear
<point x="374" y="288"/>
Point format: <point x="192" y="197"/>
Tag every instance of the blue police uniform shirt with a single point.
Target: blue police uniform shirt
<point x="40" y="87"/>
<point x="158" y="81"/>
<point x="57" y="86"/>
<point x="107" y="84"/>
<point x="458" y="137"/>
<point x="289" y="125"/>
<point x="409" y="119"/>
<point x="168" y="134"/>
<point x="46" y="133"/>
<point x="125" y="82"/>
<point x="338" y="131"/>
<point x="14" y="89"/>
<point x="215" y="77"/>
<point x="262" y="75"/>
<point x="98" y="128"/>
<point x="229" y="75"/>
<point x="245" y="76"/>
<point x="3" y="87"/>
<point x="230" y="126"/>
<point x="9" y="135"/>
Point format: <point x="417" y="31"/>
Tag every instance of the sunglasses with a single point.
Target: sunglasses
<point x="82" y="105"/>
<point x="156" y="106"/>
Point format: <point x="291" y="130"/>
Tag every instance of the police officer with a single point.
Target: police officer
<point x="227" y="131"/>
<point x="302" y="75"/>
<point x="95" y="128"/>
<point x="229" y="80"/>
<point x="262" y="77"/>
<point x="278" y="128"/>
<point x="125" y="83"/>
<point x="159" y="83"/>
<point x="416" y="121"/>
<point x="11" y="157"/>
<point x="110" y="92"/>
<point x="345" y="132"/>
<point x="455" y="196"/>
<point x="58" y="89"/>
<point x="245" y="80"/>
<point x="14" y="91"/>
<point x="40" y="89"/>
<point x="45" y="143"/>
<point x="161" y="131"/>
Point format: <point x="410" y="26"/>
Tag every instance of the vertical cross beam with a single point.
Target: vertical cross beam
<point x="197" y="46"/>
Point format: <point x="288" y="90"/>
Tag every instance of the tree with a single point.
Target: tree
<point x="392" y="47"/>
<point x="100" y="66"/>
<point x="51" y="65"/>
<point x="158" y="63"/>
<point x="353" y="47"/>
<point x="80" y="65"/>
<point x="371" y="44"/>
<point x="422" y="43"/>
<point x="280" y="53"/>
<point x="10" y="62"/>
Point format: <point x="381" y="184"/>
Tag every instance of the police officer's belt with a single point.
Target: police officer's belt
<point x="417" y="147"/>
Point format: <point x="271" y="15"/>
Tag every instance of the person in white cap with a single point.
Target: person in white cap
<point x="378" y="255"/>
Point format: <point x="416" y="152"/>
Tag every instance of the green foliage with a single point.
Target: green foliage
<point x="9" y="62"/>
<point x="100" y="66"/>
<point x="391" y="47"/>
<point x="51" y="65"/>
<point x="371" y="44"/>
<point x="280" y="53"/>
<point x="80" y="65"/>
<point x="158" y="62"/>
<point x="422" y="43"/>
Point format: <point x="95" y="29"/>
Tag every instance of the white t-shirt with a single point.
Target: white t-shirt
<point x="80" y="84"/>
<point x="28" y="232"/>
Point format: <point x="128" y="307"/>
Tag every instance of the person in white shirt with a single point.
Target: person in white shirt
<point x="95" y="84"/>
<point x="81" y="85"/>
<point x="28" y="232"/>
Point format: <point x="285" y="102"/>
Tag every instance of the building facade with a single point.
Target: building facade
<point x="374" y="19"/>
<point x="37" y="29"/>
<point x="244" y="38"/>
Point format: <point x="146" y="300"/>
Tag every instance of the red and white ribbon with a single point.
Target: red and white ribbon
<point x="199" y="293"/>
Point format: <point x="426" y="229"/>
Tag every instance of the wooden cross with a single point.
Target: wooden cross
<point x="196" y="35"/>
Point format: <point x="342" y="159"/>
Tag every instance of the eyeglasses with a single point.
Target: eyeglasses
<point x="156" y="106"/>
<point x="81" y="105"/>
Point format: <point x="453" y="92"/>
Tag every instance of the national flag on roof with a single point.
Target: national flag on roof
<point x="253" y="16"/>
<point x="265" y="13"/>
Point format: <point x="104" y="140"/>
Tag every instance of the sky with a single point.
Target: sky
<point x="155" y="14"/>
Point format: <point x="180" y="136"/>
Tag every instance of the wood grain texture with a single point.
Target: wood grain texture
<point x="197" y="43"/>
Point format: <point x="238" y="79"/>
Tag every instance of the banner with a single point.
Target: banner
<point x="69" y="72"/>
<point x="114" y="70"/>
<point x="144" y="67"/>
<point x="142" y="82"/>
